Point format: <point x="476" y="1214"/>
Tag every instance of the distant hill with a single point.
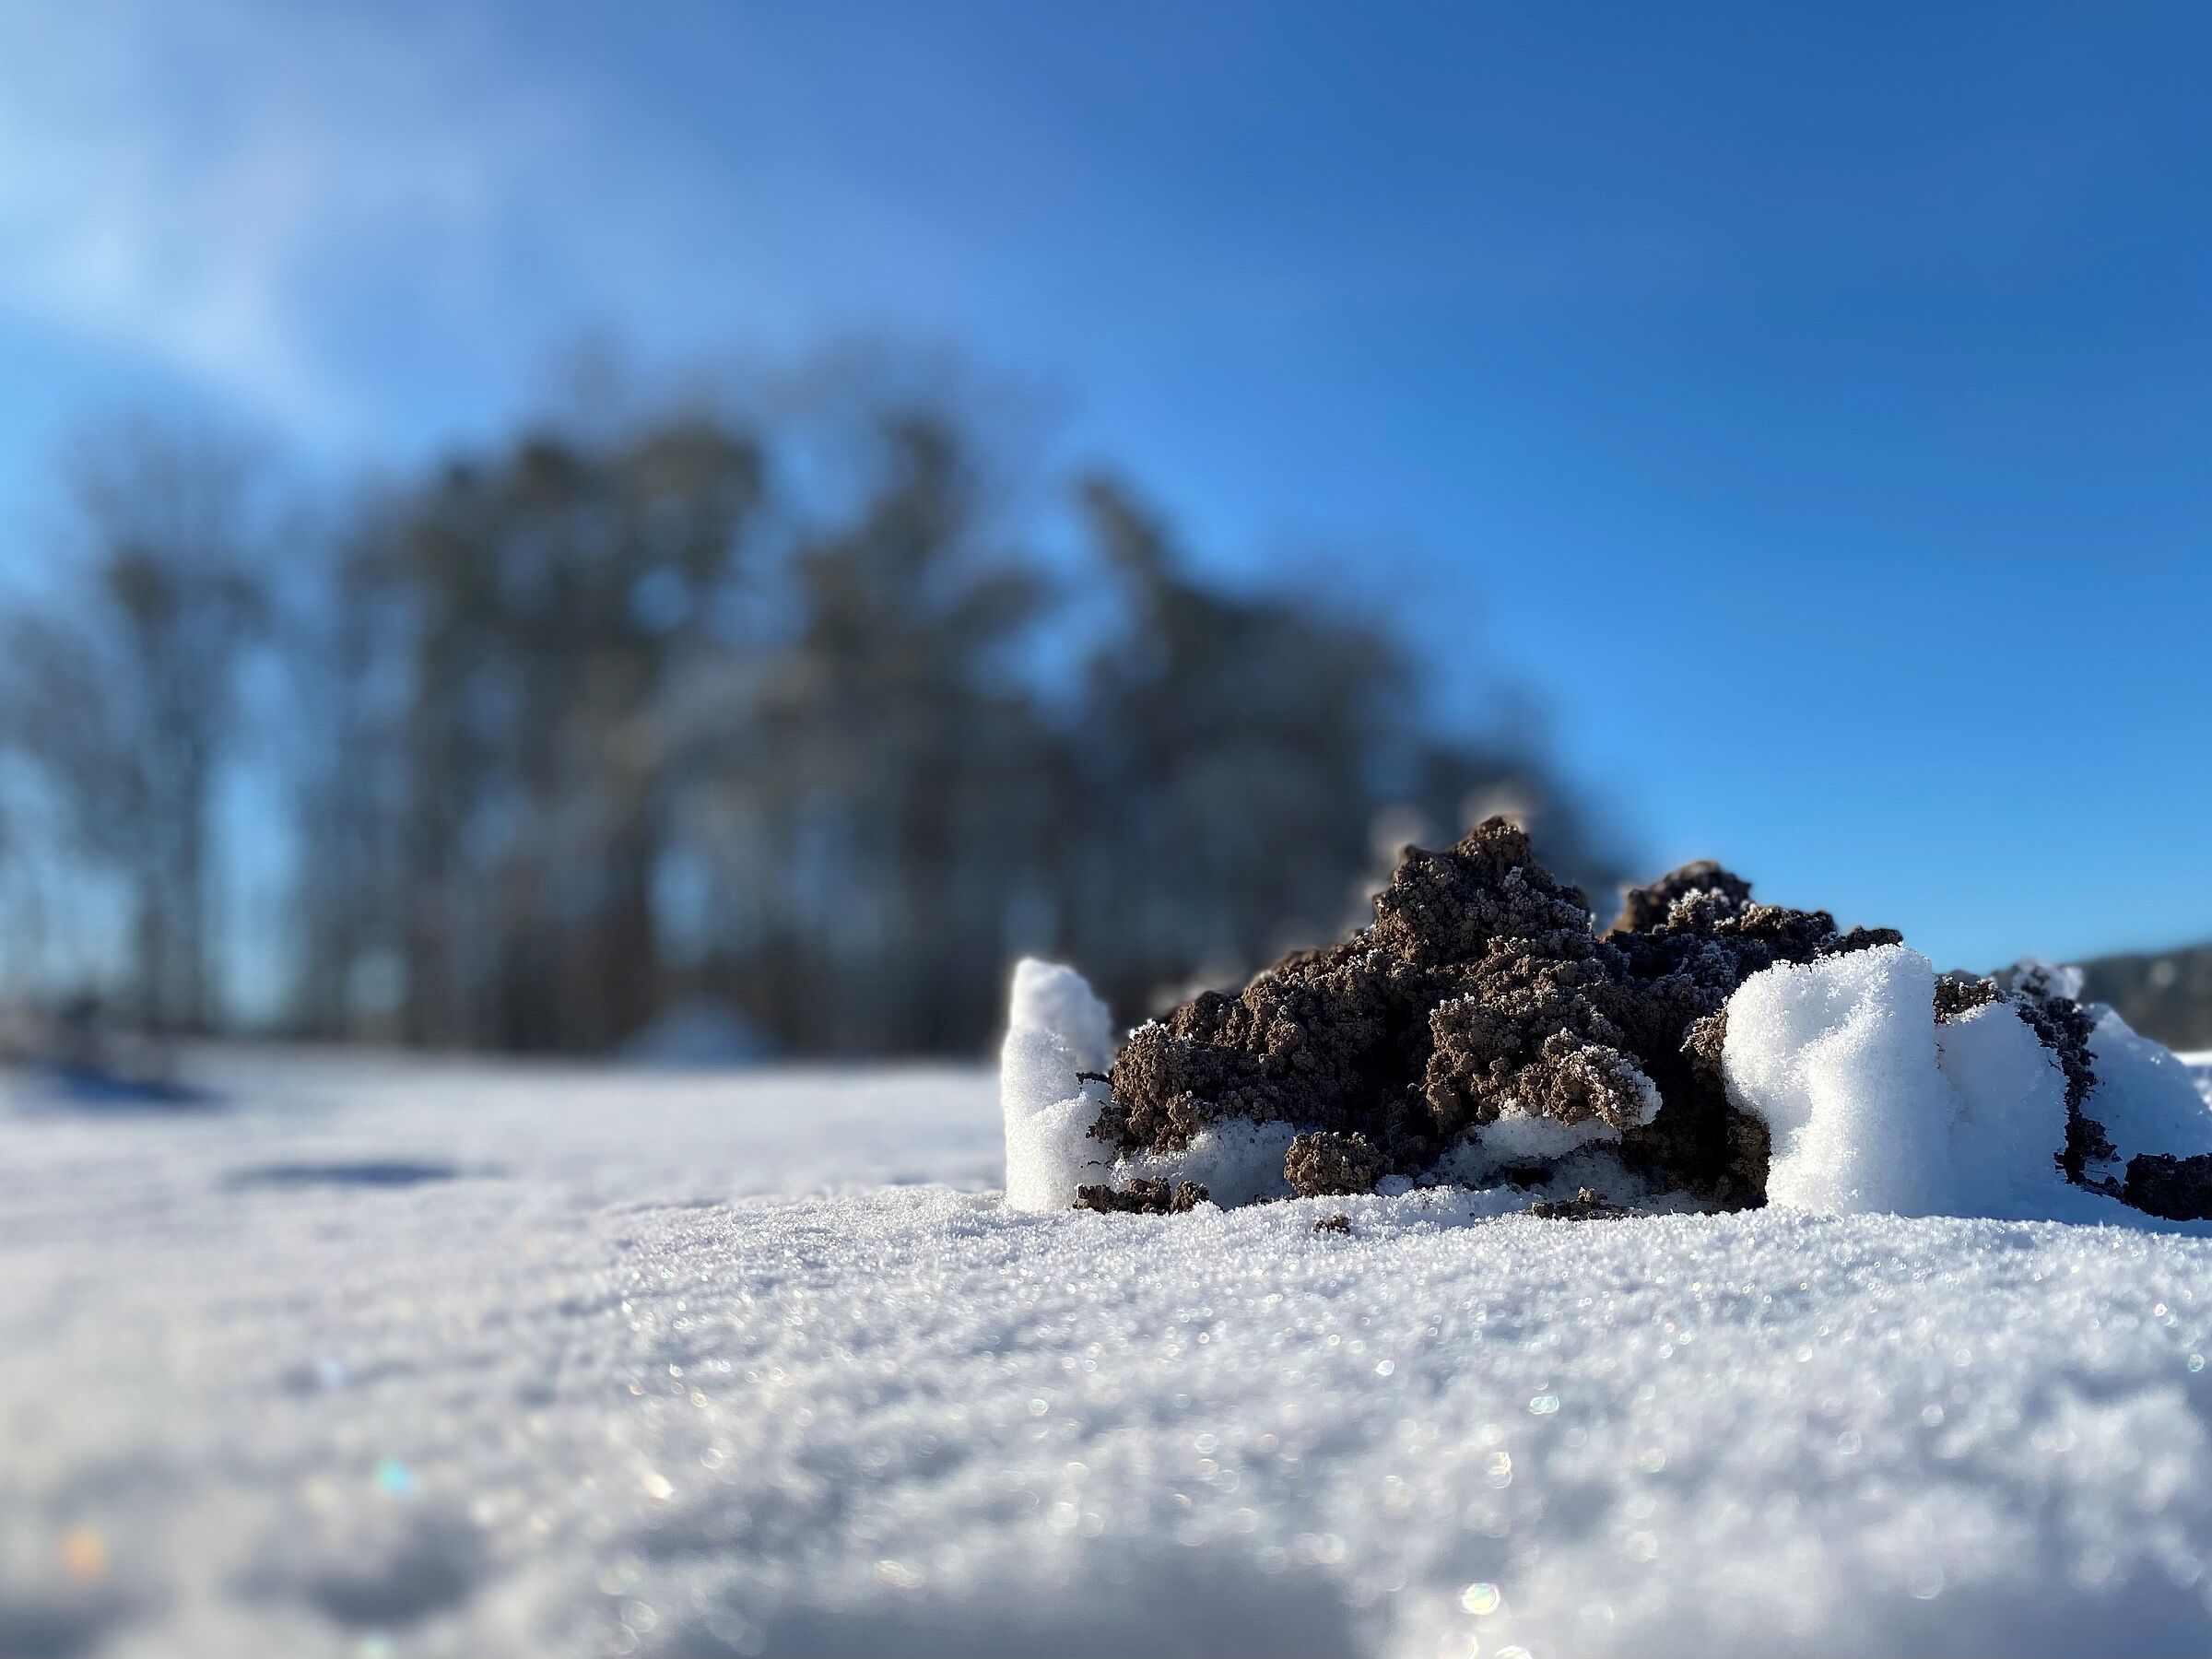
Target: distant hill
<point x="2165" y="993"/>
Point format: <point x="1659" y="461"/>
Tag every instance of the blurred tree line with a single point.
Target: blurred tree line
<point x="624" y="715"/>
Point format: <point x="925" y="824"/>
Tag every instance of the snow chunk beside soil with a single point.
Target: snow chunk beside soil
<point x="1839" y="1059"/>
<point x="1056" y="1027"/>
<point x="1235" y="1161"/>
<point x="1873" y="1105"/>
<point x="2012" y="1116"/>
<point x="2145" y="1096"/>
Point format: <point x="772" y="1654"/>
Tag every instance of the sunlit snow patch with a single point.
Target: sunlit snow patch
<point x="1839" y="1058"/>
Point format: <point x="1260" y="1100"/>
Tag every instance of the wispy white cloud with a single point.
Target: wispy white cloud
<point x="212" y="185"/>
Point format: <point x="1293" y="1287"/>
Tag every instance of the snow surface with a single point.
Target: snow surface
<point x="1235" y="1162"/>
<point x="494" y="1360"/>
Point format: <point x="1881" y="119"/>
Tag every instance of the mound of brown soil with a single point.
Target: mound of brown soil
<point x="1484" y="988"/>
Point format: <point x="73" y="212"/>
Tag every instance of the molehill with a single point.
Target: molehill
<point x="1482" y="1020"/>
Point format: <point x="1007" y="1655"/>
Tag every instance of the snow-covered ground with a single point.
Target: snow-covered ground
<point x="492" y="1360"/>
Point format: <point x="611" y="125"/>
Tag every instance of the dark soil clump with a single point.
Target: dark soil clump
<point x="1585" y="1205"/>
<point x="1323" y="1165"/>
<point x="1957" y="994"/>
<point x="1644" y="908"/>
<point x="1483" y="986"/>
<point x="1141" y="1197"/>
<point x="2180" y="1189"/>
<point x="1340" y="1223"/>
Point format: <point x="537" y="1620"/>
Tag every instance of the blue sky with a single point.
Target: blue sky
<point x="1812" y="406"/>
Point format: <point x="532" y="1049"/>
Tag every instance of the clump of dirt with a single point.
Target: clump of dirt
<point x="1141" y="1197"/>
<point x="1324" y="1164"/>
<point x="2180" y="1189"/>
<point x="1338" y="1223"/>
<point x="1957" y="994"/>
<point x="1483" y="989"/>
<point x="1644" y="908"/>
<point x="1585" y="1205"/>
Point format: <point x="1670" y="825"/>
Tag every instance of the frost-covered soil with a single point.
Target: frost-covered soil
<point x="496" y="1360"/>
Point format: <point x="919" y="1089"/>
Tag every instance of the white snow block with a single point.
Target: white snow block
<point x="1873" y="1105"/>
<point x="2011" y="1115"/>
<point x="1838" y="1057"/>
<point x="1056" y="1027"/>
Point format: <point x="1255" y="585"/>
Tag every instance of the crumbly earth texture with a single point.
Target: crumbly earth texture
<point x="1482" y="1021"/>
<point x="1585" y="1205"/>
<point x="1141" y="1197"/>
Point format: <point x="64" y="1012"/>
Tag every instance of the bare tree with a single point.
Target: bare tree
<point x="895" y="760"/>
<point x="1234" y="750"/>
<point x="122" y="691"/>
<point x="539" y="614"/>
